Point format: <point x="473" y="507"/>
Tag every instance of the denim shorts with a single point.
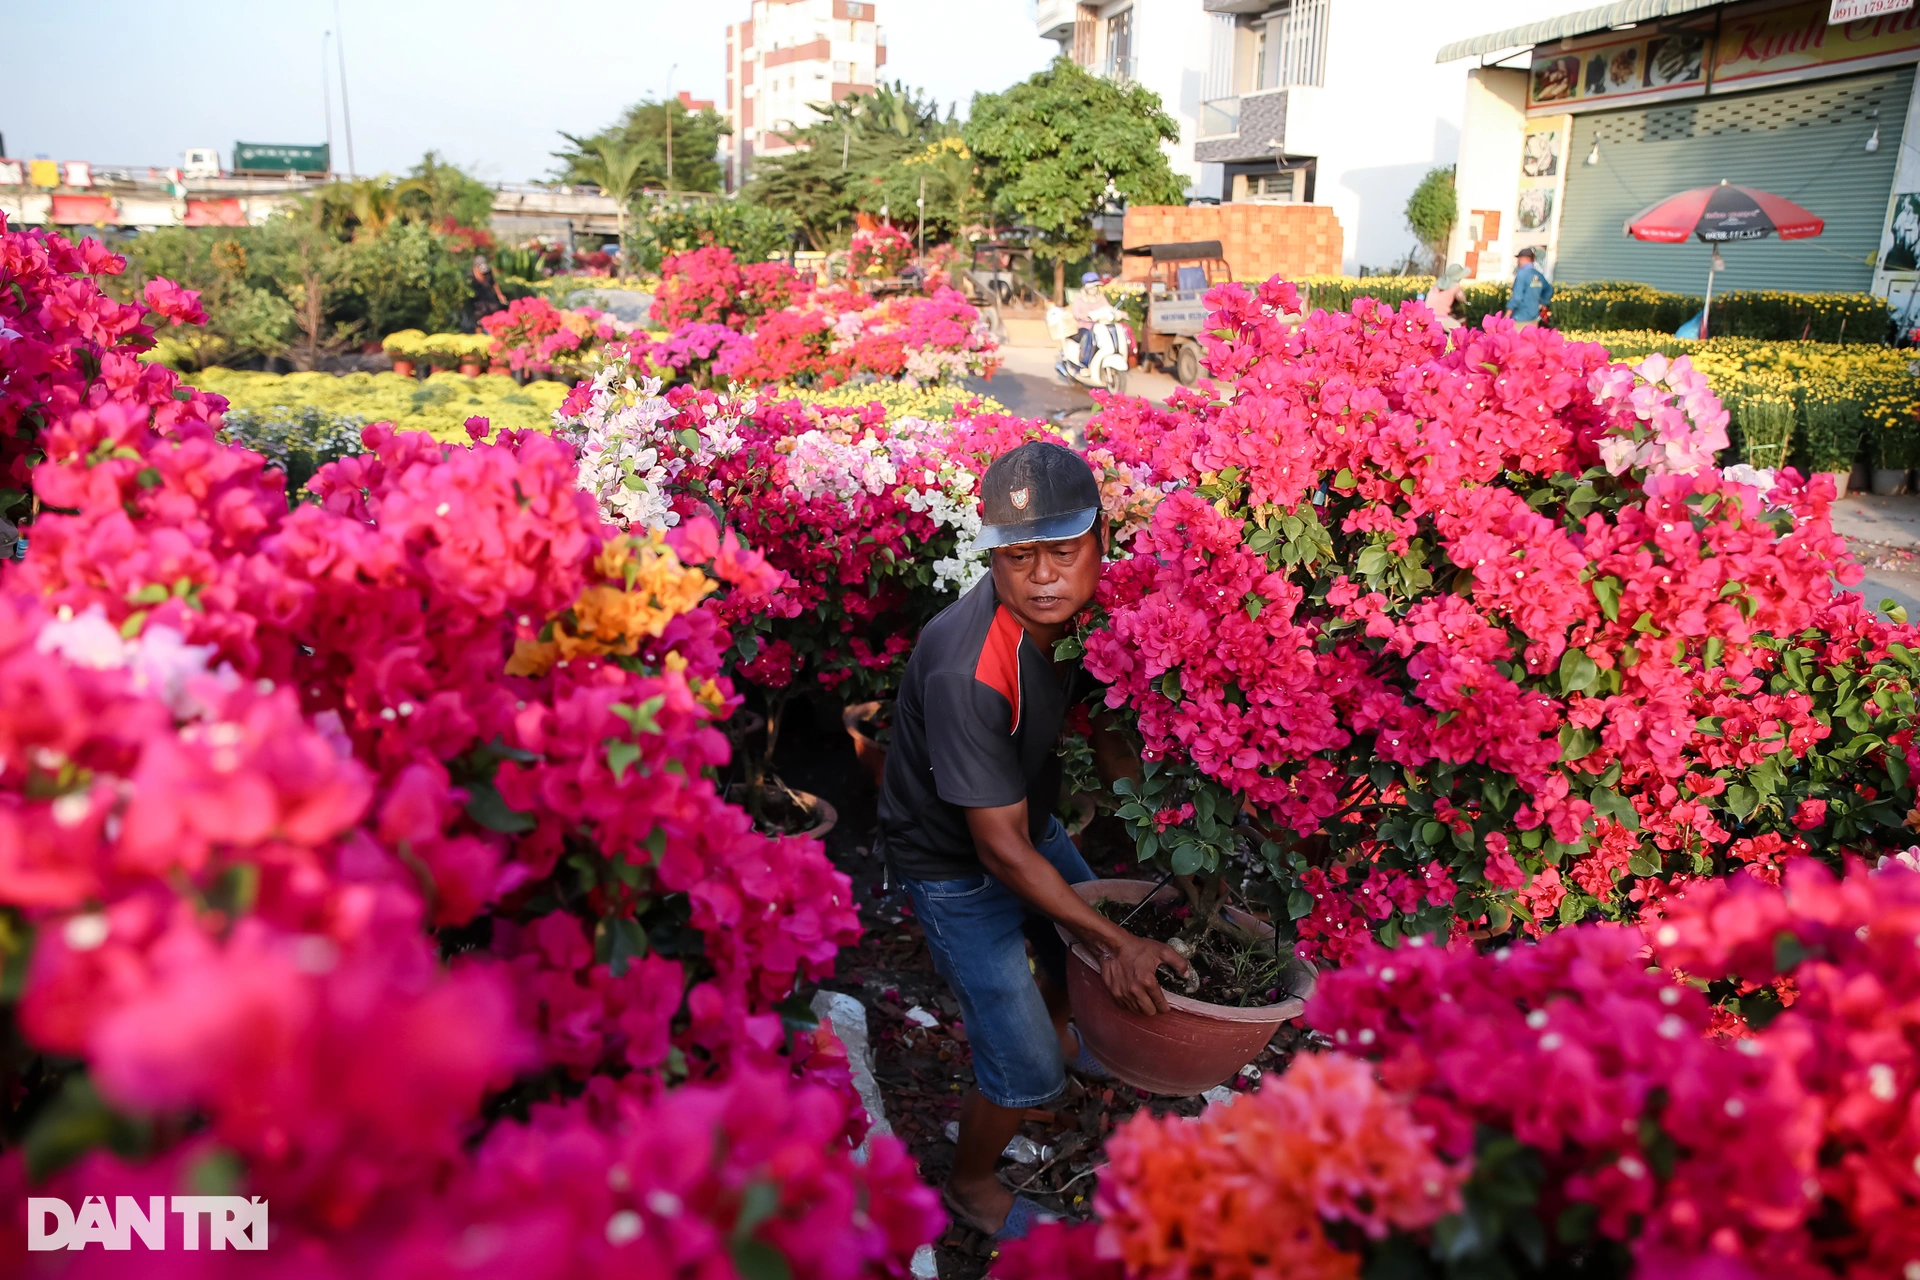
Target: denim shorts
<point x="978" y="930"/>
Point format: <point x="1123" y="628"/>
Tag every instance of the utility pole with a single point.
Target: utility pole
<point x="669" y="110"/>
<point x="326" y="99"/>
<point x="346" y="111"/>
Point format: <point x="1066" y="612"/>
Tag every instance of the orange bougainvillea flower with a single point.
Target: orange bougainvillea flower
<point x="1242" y="1192"/>
<point x="644" y="588"/>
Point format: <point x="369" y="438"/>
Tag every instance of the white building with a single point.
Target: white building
<point x="787" y="56"/>
<point x="1335" y="102"/>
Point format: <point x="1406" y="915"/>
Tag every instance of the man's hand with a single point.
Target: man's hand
<point x="1128" y="968"/>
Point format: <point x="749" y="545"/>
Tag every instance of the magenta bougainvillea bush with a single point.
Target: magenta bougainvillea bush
<point x="1746" y="1105"/>
<point x="368" y="857"/>
<point x="761" y="324"/>
<point x="883" y="251"/>
<point x="532" y="336"/>
<point x="1477" y="635"/>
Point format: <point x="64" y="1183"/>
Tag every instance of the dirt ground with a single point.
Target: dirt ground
<point x="924" y="1071"/>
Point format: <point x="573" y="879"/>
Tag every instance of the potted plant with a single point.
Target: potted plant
<point x="869" y="724"/>
<point x="404" y="348"/>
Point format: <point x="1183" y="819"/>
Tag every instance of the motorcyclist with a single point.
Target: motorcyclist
<point x="1090" y="303"/>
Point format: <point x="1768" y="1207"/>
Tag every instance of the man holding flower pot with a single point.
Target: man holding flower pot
<point x="966" y="815"/>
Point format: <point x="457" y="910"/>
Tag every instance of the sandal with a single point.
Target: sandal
<point x="1023" y="1217"/>
<point x="1085" y="1065"/>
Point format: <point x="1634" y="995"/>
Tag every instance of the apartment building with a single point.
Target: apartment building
<point x="1330" y="102"/>
<point x="787" y="56"/>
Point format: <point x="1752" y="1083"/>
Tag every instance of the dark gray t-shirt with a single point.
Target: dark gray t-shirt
<point x="975" y="726"/>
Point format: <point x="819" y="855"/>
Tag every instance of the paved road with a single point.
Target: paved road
<point x="1028" y="386"/>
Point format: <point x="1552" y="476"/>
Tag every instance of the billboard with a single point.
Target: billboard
<point x="1743" y="47"/>
<point x="269" y="157"/>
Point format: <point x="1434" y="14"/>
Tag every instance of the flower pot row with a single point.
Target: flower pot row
<point x="468" y="368"/>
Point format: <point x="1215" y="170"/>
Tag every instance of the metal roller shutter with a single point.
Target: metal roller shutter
<point x="1804" y="142"/>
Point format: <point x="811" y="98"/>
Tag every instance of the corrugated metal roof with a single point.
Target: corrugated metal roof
<point x="1573" y="24"/>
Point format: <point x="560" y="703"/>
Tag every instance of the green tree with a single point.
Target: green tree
<point x="435" y="190"/>
<point x="404" y="277"/>
<point x="245" y="317"/>
<point x="615" y="167"/>
<point x="1432" y="210"/>
<point x="945" y="172"/>
<point x="1052" y="147"/>
<point x="844" y="158"/>
<point x="655" y="130"/>
<point x="313" y="270"/>
<point x="669" y="224"/>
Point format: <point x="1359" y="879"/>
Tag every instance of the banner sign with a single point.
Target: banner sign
<point x="1754" y="45"/>
<point x="266" y="157"/>
<point x="1621" y="68"/>
<point x="1853" y="10"/>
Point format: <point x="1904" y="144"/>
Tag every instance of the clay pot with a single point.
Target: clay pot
<point x="470" y="368"/>
<point x="1887" y="481"/>
<point x="404" y="368"/>
<point x="1194" y="1045"/>
<point x="824" y="814"/>
<point x="868" y="751"/>
<point x="505" y="370"/>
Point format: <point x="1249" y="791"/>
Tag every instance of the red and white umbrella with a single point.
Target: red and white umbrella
<point x="1717" y="215"/>
<point x="1723" y="213"/>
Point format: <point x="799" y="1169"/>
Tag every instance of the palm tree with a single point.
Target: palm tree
<point x="616" y="167"/>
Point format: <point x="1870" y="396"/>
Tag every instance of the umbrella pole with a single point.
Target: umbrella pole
<point x="1706" y="312"/>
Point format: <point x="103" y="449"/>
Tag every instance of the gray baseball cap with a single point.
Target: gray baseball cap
<point x="1039" y="492"/>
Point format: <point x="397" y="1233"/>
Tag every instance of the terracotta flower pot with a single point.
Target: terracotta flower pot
<point x="403" y="367"/>
<point x="470" y="368"/>
<point x="1194" y="1045"/>
<point x="867" y="750"/>
<point x="505" y="370"/>
<point x="824" y="814"/>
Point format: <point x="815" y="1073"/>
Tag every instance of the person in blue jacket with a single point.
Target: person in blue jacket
<point x="1531" y="290"/>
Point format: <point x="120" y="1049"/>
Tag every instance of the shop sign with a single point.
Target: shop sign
<point x="1776" y="43"/>
<point x="1854" y="10"/>
<point x="1755" y="45"/>
<point x="1621" y="68"/>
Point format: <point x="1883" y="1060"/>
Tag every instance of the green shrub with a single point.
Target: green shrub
<point x="297" y="439"/>
<point x="666" y="225"/>
<point x="1831" y="424"/>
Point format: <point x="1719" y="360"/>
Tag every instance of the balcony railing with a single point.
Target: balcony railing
<point x="1220" y="118"/>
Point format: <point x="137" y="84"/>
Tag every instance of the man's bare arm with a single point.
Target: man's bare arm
<point x="1127" y="961"/>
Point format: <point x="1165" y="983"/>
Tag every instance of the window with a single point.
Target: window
<point x="856" y="11"/>
<point x="1295" y="45"/>
<point x="1273" y="188"/>
<point x="1120" y="46"/>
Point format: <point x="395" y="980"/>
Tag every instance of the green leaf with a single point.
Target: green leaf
<point x="1572" y="907"/>
<point x="620" y="757"/>
<point x="758" y="1260"/>
<point x="1577" y="743"/>
<point x="1432" y="832"/>
<point x="1645" y="624"/>
<point x="1343" y="479"/>
<point x="1188" y="858"/>
<point x="486" y="807"/>
<point x="1577" y="672"/>
<point x="1299" y="903"/>
<point x="1607" y="592"/>
<point x="1742" y="801"/>
<point x="1170" y="686"/>
<point x="757" y="1203"/>
<point x="152" y="593"/>
<point x="1374" y="561"/>
<point x="1068" y="648"/>
<point x="1254" y="604"/>
<point x="640" y="718"/>
<point x="797" y="1012"/>
<point x="1644" y="862"/>
<point x="134" y="622"/>
<point x="688" y="437"/>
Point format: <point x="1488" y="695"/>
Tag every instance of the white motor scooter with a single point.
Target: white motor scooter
<point x="1107" y="368"/>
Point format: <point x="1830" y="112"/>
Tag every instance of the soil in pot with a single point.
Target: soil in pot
<point x="1240" y="973"/>
<point x="779" y="810"/>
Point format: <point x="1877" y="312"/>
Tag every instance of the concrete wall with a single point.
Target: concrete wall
<point x="1389" y="113"/>
<point x="1259" y="240"/>
<point x="1487" y="182"/>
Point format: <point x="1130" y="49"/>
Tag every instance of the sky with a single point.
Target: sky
<point x="486" y="83"/>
